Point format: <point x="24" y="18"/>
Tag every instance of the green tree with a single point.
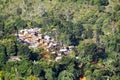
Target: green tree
<point x="24" y="69"/>
<point x="101" y="2"/>
<point x="49" y="74"/>
<point x="65" y="75"/>
<point x="3" y="59"/>
<point x="117" y="7"/>
<point x="34" y="56"/>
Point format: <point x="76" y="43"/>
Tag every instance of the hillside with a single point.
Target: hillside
<point x="91" y="26"/>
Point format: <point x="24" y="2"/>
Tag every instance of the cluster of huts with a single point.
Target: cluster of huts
<point x="34" y="39"/>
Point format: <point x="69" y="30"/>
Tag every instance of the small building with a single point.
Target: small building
<point x="53" y="52"/>
<point x="29" y="42"/>
<point x="77" y="57"/>
<point x="63" y="50"/>
<point x="71" y="47"/>
<point x="55" y="44"/>
<point x="59" y="54"/>
<point x="14" y="58"/>
<point x="47" y="37"/>
<point x="58" y="58"/>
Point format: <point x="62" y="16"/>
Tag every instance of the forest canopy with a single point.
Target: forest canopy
<point x="92" y="26"/>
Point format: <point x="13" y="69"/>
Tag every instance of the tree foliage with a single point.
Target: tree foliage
<point x="92" y="26"/>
